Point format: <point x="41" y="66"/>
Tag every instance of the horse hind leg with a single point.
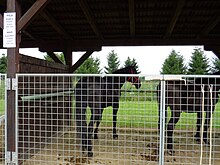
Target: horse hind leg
<point x="81" y="125"/>
<point x="96" y="130"/>
<point x="198" y="126"/>
<point x="206" y="126"/>
<point x="115" y="110"/>
<point x="170" y="128"/>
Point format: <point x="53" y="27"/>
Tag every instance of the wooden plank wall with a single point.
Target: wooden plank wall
<point x="39" y="119"/>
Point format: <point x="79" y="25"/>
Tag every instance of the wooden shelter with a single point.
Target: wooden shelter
<point x="87" y="25"/>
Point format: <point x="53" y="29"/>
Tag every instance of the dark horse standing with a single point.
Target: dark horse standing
<point x="182" y="97"/>
<point x="99" y="93"/>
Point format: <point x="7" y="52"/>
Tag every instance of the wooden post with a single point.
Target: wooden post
<point x="13" y="68"/>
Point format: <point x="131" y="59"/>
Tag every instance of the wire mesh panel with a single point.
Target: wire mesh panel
<point x="2" y="117"/>
<point x="114" y="119"/>
<point x="192" y="115"/>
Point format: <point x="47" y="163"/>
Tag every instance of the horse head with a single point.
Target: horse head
<point x="135" y="80"/>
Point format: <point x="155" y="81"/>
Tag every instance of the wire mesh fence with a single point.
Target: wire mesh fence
<point x="57" y="118"/>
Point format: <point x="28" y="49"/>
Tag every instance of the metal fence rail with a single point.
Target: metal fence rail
<point x="49" y="129"/>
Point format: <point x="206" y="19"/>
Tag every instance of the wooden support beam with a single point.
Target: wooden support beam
<point x="174" y="18"/>
<point x="54" y="57"/>
<point x="50" y="53"/>
<point x="131" y="17"/>
<point x="68" y="55"/>
<point x="26" y="19"/>
<point x="80" y="61"/>
<point x="89" y="16"/>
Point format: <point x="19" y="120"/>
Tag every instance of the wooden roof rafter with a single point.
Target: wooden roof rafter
<point x="52" y="21"/>
<point x="131" y="17"/>
<point x="211" y="25"/>
<point x="90" y="18"/>
<point x="175" y="17"/>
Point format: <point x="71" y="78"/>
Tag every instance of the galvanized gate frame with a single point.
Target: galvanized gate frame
<point x="12" y="84"/>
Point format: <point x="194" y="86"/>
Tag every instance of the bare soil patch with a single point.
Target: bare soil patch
<point x="135" y="147"/>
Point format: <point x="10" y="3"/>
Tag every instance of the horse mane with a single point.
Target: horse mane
<point x="123" y="70"/>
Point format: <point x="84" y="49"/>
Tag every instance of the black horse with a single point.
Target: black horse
<point x="99" y="93"/>
<point x="182" y="96"/>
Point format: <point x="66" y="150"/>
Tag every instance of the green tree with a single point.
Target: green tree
<point x="60" y="56"/>
<point x="216" y="64"/>
<point x="113" y="62"/>
<point x="174" y="64"/>
<point x="3" y="64"/>
<point x="198" y="64"/>
<point x="90" y="65"/>
<point x="132" y="62"/>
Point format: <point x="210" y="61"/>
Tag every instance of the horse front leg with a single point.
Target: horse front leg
<point x="81" y="124"/>
<point x="115" y="111"/>
<point x="90" y="131"/>
<point x="159" y="111"/>
<point x="198" y="126"/>
<point x="95" y="117"/>
<point x="170" y="128"/>
<point x="97" y="126"/>
<point x="206" y="127"/>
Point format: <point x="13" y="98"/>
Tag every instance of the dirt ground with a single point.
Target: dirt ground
<point x="133" y="147"/>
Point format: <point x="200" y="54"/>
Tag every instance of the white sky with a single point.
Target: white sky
<point x="149" y="58"/>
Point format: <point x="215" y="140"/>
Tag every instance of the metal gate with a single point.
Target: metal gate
<point x="50" y="105"/>
<point x="2" y="117"/>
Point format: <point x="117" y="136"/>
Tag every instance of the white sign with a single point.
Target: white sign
<point x="9" y="31"/>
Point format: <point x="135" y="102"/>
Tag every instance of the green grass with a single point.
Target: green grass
<point x="145" y="115"/>
<point x="2" y="107"/>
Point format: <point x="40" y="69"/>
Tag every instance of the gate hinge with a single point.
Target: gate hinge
<point x="11" y="84"/>
<point x="11" y="157"/>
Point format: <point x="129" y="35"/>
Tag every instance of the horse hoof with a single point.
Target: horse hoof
<point x="90" y="154"/>
<point x="115" y="137"/>
<point x="198" y="141"/>
<point x="171" y="152"/>
<point x="206" y="142"/>
<point x="96" y="136"/>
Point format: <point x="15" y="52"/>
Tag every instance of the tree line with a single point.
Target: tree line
<point x="173" y="64"/>
<point x="199" y="64"/>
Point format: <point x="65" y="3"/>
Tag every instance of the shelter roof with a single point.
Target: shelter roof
<point x="91" y="24"/>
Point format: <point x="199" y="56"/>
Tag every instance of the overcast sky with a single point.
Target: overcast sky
<point x="149" y="58"/>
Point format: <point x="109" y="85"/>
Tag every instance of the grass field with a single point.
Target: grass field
<point x="145" y="115"/>
<point x="2" y="107"/>
<point x="142" y="114"/>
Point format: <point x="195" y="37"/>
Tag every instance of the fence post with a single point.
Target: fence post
<point x="162" y="122"/>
